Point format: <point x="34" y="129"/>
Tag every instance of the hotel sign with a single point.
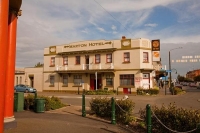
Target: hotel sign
<point x="155" y="45"/>
<point x="88" y="44"/>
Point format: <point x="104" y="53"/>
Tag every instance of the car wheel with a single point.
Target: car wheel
<point x="26" y="91"/>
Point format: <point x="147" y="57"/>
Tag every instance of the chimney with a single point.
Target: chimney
<point x="123" y="37"/>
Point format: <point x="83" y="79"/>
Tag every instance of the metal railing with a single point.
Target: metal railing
<point x="84" y="67"/>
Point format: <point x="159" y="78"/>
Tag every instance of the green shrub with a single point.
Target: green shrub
<point x="176" y="90"/>
<point x="142" y="91"/>
<point x="99" y="92"/>
<point x="178" y="119"/>
<point x="51" y="103"/>
<point x="102" y="108"/>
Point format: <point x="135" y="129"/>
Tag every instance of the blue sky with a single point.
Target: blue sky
<point x="48" y="22"/>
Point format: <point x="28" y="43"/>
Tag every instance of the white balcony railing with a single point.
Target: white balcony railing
<point x="84" y="67"/>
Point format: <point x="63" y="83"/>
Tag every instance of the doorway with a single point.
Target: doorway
<point x="31" y="78"/>
<point x="93" y="81"/>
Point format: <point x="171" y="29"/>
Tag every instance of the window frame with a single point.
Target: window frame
<point x="97" y="58"/>
<point x="52" y="80"/>
<point x="107" y="58"/>
<point x="109" y="80"/>
<point x="65" y="77"/>
<point x="65" y="60"/>
<point x="77" y="77"/>
<point x="52" y="61"/>
<point x="128" y="57"/>
<point x="127" y="79"/>
<point x="78" y="60"/>
<point x="145" y="59"/>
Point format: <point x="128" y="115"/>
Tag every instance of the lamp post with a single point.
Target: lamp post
<point x="170" y="73"/>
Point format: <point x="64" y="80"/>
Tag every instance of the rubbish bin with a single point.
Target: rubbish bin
<point x="18" y="101"/>
<point x="40" y="105"/>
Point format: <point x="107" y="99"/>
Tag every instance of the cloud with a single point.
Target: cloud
<point x="114" y="27"/>
<point x="48" y="22"/>
<point x="101" y="29"/>
<point x="151" y="25"/>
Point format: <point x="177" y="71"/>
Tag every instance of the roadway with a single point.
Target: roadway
<point x="191" y="99"/>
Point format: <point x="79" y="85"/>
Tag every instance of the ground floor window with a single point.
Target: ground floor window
<point x="109" y="80"/>
<point x="77" y="79"/>
<point x="52" y="80"/>
<point x="65" y="79"/>
<point x="127" y="79"/>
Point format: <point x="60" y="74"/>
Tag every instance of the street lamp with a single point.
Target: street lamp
<point x="170" y="73"/>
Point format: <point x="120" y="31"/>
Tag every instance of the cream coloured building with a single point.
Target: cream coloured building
<point x="125" y="64"/>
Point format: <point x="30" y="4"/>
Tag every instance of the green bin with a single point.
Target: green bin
<point x="40" y="105"/>
<point x="18" y="101"/>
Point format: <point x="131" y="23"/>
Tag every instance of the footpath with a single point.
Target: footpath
<point x="65" y="120"/>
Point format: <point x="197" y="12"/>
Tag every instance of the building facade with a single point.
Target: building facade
<point x="124" y="64"/>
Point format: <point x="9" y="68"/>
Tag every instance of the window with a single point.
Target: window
<point x="65" y="60"/>
<point x="78" y="60"/>
<point x="65" y="80"/>
<point x="127" y="79"/>
<point x="20" y="80"/>
<point x="52" y="63"/>
<point x="52" y="80"/>
<point x="145" y="57"/>
<point x="109" y="80"/>
<point x="126" y="57"/>
<point x="77" y="79"/>
<point x="109" y="58"/>
<point x="97" y="58"/>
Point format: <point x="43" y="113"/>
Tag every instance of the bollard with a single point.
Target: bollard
<point x="113" y="121"/>
<point x="148" y="118"/>
<point x="83" y="105"/>
<point x="35" y="96"/>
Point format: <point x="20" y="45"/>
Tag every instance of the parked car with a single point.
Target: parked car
<point x="24" y="88"/>
<point x="193" y="85"/>
<point x="198" y="87"/>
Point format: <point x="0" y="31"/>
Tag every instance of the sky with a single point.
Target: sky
<point x="48" y="22"/>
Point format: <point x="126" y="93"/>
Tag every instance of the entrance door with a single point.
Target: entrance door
<point x="31" y="81"/>
<point x="93" y="82"/>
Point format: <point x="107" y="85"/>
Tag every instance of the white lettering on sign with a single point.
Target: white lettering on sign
<point x="89" y="44"/>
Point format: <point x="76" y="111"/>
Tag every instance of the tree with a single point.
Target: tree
<point x="39" y="65"/>
<point x="197" y="78"/>
<point x="180" y="78"/>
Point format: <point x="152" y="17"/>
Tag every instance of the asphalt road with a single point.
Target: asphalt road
<point x="191" y="99"/>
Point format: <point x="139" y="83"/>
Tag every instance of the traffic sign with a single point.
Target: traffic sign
<point x="169" y="71"/>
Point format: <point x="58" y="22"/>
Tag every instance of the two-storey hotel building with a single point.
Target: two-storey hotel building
<point x="123" y="64"/>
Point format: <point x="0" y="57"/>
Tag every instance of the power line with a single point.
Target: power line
<point x="113" y="17"/>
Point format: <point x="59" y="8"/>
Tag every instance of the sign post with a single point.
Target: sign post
<point x="96" y="80"/>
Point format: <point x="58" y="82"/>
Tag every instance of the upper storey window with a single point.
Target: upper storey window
<point x="97" y="58"/>
<point x="52" y="62"/>
<point x="78" y="60"/>
<point x="109" y="58"/>
<point x="145" y="57"/>
<point x="126" y="57"/>
<point x="65" y="60"/>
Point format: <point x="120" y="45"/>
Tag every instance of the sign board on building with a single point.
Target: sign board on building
<point x="155" y="45"/>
